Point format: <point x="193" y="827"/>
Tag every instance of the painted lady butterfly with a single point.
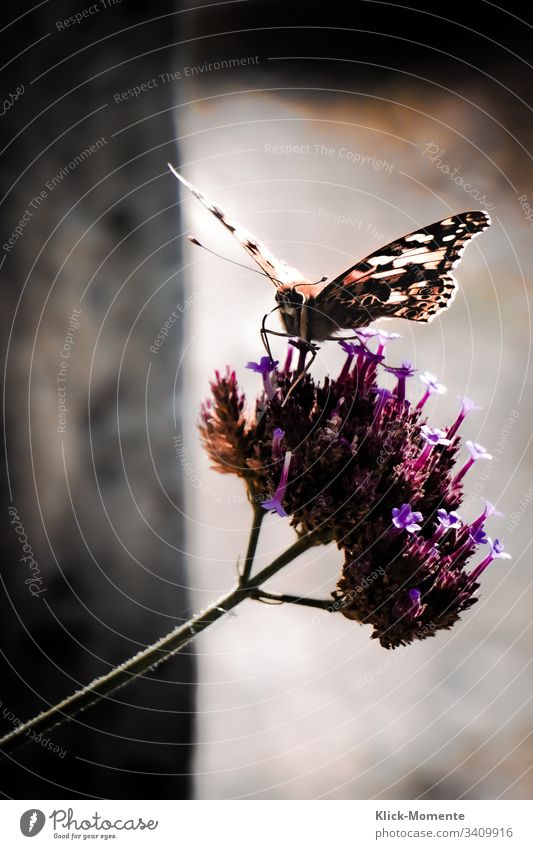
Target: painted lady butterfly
<point x="410" y="278"/>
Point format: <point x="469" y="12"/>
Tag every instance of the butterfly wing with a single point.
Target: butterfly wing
<point x="410" y="278"/>
<point x="278" y="270"/>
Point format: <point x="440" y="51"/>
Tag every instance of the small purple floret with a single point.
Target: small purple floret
<point x="277" y="436"/>
<point x="467" y="405"/>
<point x="264" y="367"/>
<point x="274" y="503"/>
<point x="432" y="388"/>
<point x="402" y="373"/>
<point x="449" y="520"/>
<point x="434" y="435"/>
<point x="496" y="552"/>
<point x="406" y="519"/>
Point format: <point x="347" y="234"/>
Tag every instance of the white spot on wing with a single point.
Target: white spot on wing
<point x="419" y="237"/>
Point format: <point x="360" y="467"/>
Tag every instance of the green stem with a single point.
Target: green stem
<point x="151" y="657"/>
<point x="259" y="515"/>
<point x="285" y="598"/>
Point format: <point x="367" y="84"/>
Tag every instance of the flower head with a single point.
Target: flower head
<point x="358" y="478"/>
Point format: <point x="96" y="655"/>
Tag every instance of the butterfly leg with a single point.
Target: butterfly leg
<point x="303" y="368"/>
<point x="299" y="342"/>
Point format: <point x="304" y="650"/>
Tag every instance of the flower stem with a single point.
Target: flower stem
<point x="155" y="654"/>
<point x="259" y="515"/>
<point x="285" y="598"/>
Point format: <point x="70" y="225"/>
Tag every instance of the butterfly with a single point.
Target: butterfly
<point x="410" y="278"/>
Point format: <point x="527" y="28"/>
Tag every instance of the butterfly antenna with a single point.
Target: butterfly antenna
<point x="199" y="244"/>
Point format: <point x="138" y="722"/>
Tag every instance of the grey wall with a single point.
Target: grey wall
<point x="97" y="487"/>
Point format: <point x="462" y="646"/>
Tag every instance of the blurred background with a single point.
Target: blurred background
<point x="327" y="133"/>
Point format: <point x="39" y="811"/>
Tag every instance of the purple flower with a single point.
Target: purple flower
<point x="402" y="373"/>
<point x="367" y="332"/>
<point x="356" y="480"/>
<point x="350" y="348"/>
<point x="275" y="502"/>
<point x="385" y="336"/>
<point x="449" y="520"/>
<point x="405" y="370"/>
<point x="383" y="396"/>
<point x="478" y="536"/>
<point x="264" y="367"/>
<point x="474" y="536"/>
<point x="430" y="382"/>
<point x="409" y="607"/>
<point x="446" y="522"/>
<point x="405" y="519"/>
<point x="477" y="452"/>
<point x="432" y="388"/>
<point x="434" y="435"/>
<point x="277" y="436"/>
<point x="467" y="405"/>
<point x="416" y="607"/>
<point x="496" y="552"/>
<point x="489" y="510"/>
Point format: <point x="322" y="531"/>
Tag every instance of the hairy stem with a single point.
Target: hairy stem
<point x="259" y="515"/>
<point x="155" y="654"/>
<point x="285" y="598"/>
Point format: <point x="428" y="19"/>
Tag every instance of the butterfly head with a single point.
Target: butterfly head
<point x="290" y="303"/>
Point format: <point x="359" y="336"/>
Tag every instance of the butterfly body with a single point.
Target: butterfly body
<point x="410" y="278"/>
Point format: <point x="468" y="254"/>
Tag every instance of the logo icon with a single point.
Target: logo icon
<point x="32" y="822"/>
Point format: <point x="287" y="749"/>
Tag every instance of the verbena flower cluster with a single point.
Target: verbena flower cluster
<point x="357" y="464"/>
